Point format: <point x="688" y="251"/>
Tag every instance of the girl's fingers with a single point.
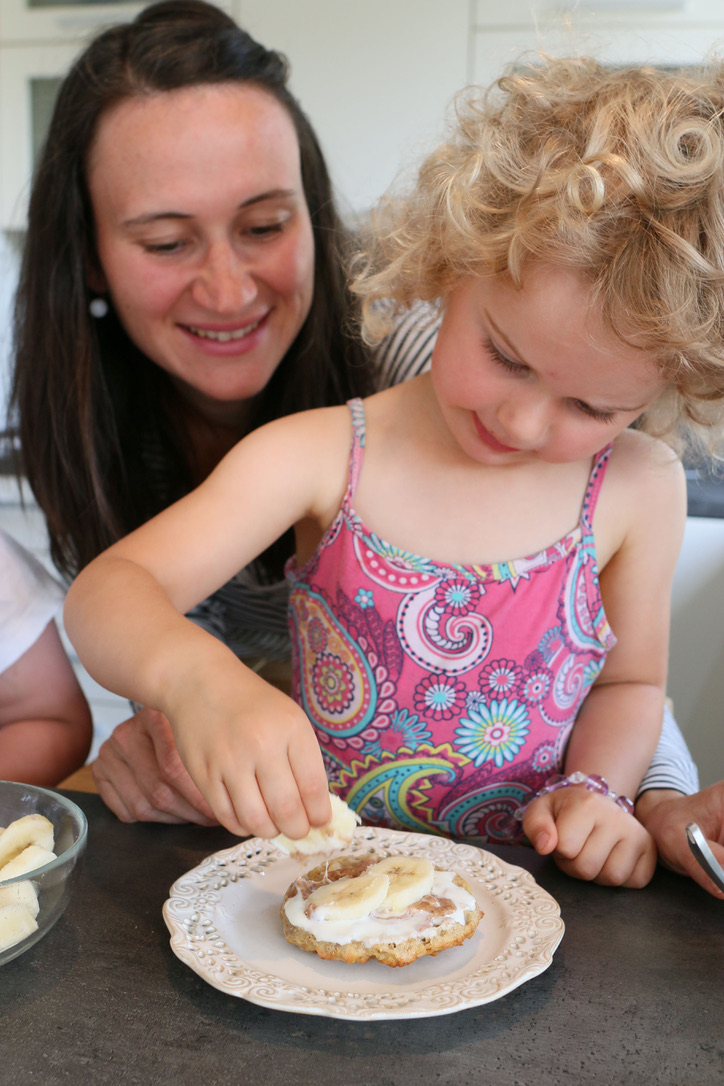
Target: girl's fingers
<point x="239" y="806"/>
<point x="587" y="860"/>
<point x="310" y="778"/>
<point x="630" y="863"/>
<point x="540" y="827"/>
<point x="285" y="808"/>
<point x="612" y="854"/>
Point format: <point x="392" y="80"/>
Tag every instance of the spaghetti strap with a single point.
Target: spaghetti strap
<point x="356" y="455"/>
<point x="598" y="472"/>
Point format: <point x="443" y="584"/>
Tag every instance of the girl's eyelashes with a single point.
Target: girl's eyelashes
<point x="521" y="370"/>
<point x="593" y="413"/>
<point x="502" y="360"/>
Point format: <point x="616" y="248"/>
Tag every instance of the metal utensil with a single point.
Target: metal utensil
<point x="703" y="854"/>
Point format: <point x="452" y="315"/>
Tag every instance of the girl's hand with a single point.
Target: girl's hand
<point x="252" y="753"/>
<point x="591" y="838"/>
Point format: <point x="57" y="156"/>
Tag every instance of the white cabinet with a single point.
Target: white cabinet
<point x="28" y="77"/>
<point x="672" y="32"/>
<point x="374" y="77"/>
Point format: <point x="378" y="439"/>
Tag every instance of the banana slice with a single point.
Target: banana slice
<point x="32" y="829"/>
<point x="410" y="879"/>
<point x="16" y="924"/>
<point x="30" y="859"/>
<point x="321" y="841"/>
<point x="348" y="899"/>
<point x="21" y="893"/>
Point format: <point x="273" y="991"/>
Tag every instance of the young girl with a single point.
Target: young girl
<point x="480" y="593"/>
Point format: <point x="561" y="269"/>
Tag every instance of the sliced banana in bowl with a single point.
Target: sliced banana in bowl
<point x="25" y="846"/>
<point x="41" y="849"/>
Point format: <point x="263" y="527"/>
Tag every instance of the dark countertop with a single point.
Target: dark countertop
<point x="635" y="993"/>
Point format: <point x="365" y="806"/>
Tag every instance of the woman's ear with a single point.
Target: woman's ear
<point x="94" y="277"/>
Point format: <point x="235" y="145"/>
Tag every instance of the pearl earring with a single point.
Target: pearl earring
<point x="98" y="307"/>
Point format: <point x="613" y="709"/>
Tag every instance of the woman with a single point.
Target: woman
<point x="182" y="283"/>
<point x="183" y="195"/>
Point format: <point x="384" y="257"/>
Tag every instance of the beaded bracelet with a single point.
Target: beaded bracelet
<point x="594" y="783"/>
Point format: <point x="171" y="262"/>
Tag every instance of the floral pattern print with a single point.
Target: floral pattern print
<point x="493" y="732"/>
<point x="439" y="696"/>
<point x="332" y="680"/>
<point x="501" y="678"/>
<point x="443" y="696"/>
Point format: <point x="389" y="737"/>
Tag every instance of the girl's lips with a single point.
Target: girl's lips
<point x="487" y="438"/>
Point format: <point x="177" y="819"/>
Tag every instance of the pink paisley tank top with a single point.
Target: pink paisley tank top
<point x="443" y="695"/>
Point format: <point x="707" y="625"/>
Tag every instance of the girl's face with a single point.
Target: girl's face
<point x="532" y="373"/>
<point x="203" y="236"/>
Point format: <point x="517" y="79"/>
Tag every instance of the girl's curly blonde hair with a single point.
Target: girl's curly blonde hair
<point x="616" y="173"/>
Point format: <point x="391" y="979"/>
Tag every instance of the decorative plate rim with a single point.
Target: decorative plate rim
<point x="534" y="929"/>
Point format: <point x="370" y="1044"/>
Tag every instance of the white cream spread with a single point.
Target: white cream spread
<point x="414" y="923"/>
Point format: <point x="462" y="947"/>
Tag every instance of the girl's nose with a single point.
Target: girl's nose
<point x="225" y="283"/>
<point x="525" y="418"/>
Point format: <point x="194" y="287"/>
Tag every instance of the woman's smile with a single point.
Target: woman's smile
<point x="227" y="340"/>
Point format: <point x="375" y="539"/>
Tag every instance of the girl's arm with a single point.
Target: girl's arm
<point x="619" y="723"/>
<point x="250" y="750"/>
<point x="45" y="722"/>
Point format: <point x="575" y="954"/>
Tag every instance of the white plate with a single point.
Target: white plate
<point x="224" y="922"/>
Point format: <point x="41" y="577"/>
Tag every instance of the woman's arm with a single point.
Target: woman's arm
<point x="248" y="748"/>
<point x="45" y="722"/>
<point x="666" y="814"/>
<point x="672" y="766"/>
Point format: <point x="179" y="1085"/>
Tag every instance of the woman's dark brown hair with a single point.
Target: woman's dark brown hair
<point x="100" y="440"/>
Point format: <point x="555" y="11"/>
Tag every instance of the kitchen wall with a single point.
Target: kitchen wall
<point x="376" y="78"/>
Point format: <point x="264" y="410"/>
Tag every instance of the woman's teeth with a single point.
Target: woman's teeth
<point x="224" y="337"/>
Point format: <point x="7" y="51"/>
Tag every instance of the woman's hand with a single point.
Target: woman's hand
<point x="666" y="814"/>
<point x="140" y="776"/>
<point x="591" y="838"/>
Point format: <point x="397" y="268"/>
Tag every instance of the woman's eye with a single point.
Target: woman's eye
<point x="266" y="229"/>
<point x="163" y="246"/>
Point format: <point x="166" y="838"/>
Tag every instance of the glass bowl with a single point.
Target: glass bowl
<point x="55" y="881"/>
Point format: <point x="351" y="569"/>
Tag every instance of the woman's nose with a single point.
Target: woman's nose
<point x="525" y="417"/>
<point x="225" y="282"/>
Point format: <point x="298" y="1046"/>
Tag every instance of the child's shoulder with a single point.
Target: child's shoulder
<point x="645" y="481"/>
<point x="638" y="457"/>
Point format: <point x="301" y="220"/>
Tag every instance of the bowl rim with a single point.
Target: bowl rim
<point x="69" y="853"/>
